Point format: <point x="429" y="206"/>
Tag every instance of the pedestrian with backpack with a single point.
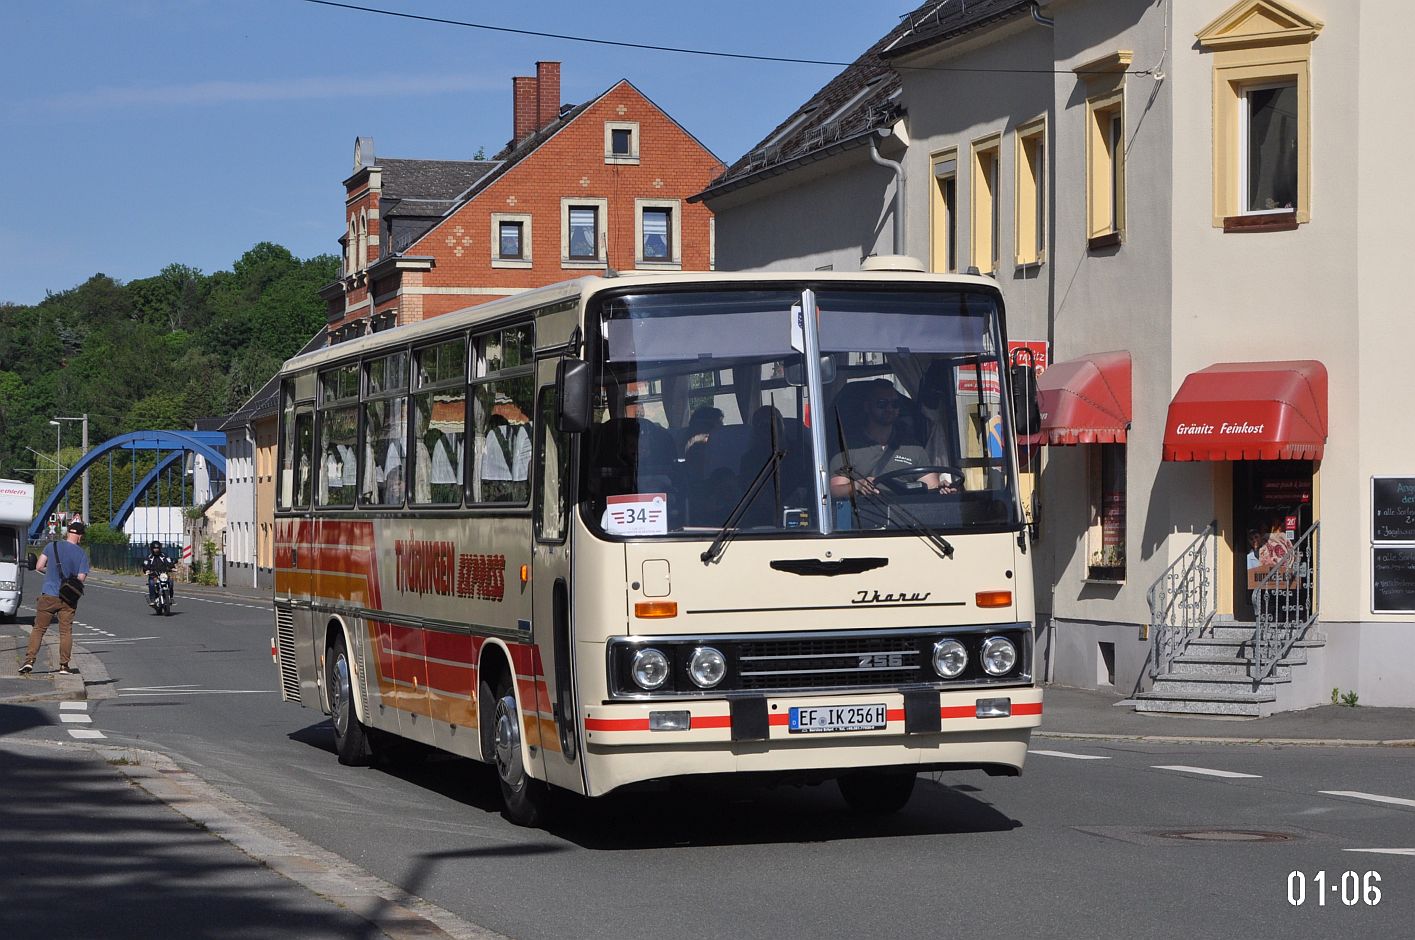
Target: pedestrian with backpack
<point x="65" y="567"/>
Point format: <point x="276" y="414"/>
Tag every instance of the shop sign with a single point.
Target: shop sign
<point x="1393" y="579"/>
<point x="1393" y="509"/>
<point x="968" y="377"/>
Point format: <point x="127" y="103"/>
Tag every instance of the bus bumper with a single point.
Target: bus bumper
<point x="977" y="727"/>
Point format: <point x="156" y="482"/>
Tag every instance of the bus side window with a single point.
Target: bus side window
<point x="304" y="459"/>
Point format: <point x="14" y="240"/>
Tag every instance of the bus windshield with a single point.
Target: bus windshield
<point x="701" y="394"/>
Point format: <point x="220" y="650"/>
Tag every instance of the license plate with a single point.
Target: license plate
<point x="811" y="719"/>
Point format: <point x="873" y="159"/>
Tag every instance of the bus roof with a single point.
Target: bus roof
<point x="583" y="288"/>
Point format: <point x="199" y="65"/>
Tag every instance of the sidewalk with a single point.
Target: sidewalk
<point x="1073" y="713"/>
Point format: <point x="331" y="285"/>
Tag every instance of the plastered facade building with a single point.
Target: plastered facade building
<point x="1188" y="203"/>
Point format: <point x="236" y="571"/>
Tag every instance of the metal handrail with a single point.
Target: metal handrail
<point x="1285" y="605"/>
<point x="1182" y="601"/>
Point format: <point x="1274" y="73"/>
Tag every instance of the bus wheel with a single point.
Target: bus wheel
<point x="526" y="800"/>
<point x="877" y="793"/>
<point x="350" y="736"/>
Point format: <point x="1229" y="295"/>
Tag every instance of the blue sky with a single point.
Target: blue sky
<point x="138" y="133"/>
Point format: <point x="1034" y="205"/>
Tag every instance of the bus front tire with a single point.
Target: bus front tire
<point x="350" y="736"/>
<point x="526" y="801"/>
<point x="877" y="793"/>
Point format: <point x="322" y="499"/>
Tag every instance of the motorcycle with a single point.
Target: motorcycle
<point x="162" y="603"/>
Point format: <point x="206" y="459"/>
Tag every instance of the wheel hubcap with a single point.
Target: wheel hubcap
<point x="507" y="732"/>
<point x="339" y="694"/>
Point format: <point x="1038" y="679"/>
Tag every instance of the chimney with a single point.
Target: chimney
<point x="547" y="93"/>
<point x="524" y="101"/>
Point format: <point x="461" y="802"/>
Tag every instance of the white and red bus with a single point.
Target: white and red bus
<point x="635" y="528"/>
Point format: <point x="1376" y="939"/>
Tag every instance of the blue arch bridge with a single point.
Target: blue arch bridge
<point x="171" y="448"/>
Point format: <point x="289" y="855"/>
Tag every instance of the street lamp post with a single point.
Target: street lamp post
<point x="83" y="418"/>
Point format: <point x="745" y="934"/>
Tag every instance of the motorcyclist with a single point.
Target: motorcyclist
<point x="155" y="564"/>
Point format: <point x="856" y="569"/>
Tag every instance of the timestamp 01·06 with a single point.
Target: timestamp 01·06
<point x="1352" y="888"/>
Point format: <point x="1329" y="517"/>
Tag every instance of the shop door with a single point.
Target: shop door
<point x="1272" y="499"/>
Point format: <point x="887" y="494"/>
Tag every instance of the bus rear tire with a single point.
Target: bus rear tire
<point x="350" y="736"/>
<point x="525" y="800"/>
<point x="877" y="793"/>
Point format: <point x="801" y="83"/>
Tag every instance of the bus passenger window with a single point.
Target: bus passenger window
<point x="502" y="399"/>
<point x="439" y="423"/>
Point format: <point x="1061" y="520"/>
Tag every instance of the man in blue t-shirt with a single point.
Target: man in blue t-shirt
<point x="68" y="557"/>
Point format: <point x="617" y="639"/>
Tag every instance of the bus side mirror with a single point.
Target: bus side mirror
<point x="1026" y="411"/>
<point x="572" y="386"/>
<point x="31" y="561"/>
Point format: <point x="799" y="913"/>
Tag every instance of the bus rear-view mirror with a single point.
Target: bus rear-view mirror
<point x="572" y="384"/>
<point x="1026" y="411"/>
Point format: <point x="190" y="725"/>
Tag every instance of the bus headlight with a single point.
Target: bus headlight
<point x="950" y="658"/>
<point x="649" y="669"/>
<point x="999" y="655"/>
<point x="706" y="667"/>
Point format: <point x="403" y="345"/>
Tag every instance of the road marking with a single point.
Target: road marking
<point x="73" y="706"/>
<point x="124" y="694"/>
<point x="1384" y="851"/>
<point x="1206" y="771"/>
<point x="1066" y="754"/>
<point x="74" y="718"/>
<point x="1373" y="797"/>
<point x="86" y="733"/>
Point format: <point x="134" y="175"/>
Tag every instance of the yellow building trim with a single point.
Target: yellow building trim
<point x="1257" y="42"/>
<point x="943" y="211"/>
<point x="986" y="179"/>
<point x="1030" y="171"/>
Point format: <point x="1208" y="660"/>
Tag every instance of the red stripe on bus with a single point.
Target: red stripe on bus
<point x="1027" y="708"/>
<point x="616" y="724"/>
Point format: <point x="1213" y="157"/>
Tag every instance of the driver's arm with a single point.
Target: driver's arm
<point x="841" y="485"/>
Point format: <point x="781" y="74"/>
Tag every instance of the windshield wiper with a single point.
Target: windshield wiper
<point x="729" y="528"/>
<point x="911" y="523"/>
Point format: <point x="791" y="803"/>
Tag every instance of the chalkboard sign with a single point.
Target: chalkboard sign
<point x="1393" y="509"/>
<point x="1393" y="580"/>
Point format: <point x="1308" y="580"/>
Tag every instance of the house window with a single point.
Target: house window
<point x="986" y="165"/>
<point x="584" y="231"/>
<point x="1105" y="177"/>
<point x="508" y="240"/>
<point x="621" y="142"/>
<point x="657" y="243"/>
<point x="1106" y="540"/>
<point x="1104" y="83"/>
<point x="657" y="232"/>
<point x="944" y="233"/>
<point x="1269" y="140"/>
<point x="1031" y="194"/>
<point x="1261" y="53"/>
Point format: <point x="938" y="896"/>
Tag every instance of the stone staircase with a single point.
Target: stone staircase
<point x="1212" y="676"/>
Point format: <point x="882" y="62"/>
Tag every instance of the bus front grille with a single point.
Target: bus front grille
<point x="285" y="645"/>
<point x="829" y="662"/>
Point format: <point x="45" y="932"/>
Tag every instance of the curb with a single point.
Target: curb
<point x="386" y="907"/>
<point x="1202" y="739"/>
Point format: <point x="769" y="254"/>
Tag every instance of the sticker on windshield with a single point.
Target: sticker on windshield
<point x="636" y="514"/>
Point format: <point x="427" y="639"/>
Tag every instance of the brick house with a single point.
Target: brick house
<point x="578" y="189"/>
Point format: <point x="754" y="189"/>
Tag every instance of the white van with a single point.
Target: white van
<point x="16" y="513"/>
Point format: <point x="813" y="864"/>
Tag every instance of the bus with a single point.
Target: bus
<point x="16" y="513"/>
<point x="641" y="527"/>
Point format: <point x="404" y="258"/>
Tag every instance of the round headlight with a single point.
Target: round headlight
<point x="706" y="667"/>
<point x="649" y="669"/>
<point x="950" y="658"/>
<point x="999" y="655"/>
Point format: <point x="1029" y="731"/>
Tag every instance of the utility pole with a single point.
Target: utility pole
<point x="84" y="419"/>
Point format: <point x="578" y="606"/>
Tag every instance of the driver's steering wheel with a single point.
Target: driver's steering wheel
<point x="895" y="482"/>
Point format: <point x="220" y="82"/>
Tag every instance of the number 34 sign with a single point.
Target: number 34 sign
<point x="636" y="514"/>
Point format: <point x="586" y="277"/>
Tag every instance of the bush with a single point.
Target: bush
<point x="100" y="534"/>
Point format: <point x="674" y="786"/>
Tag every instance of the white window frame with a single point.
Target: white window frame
<point x="675" y="261"/>
<point x="632" y="159"/>
<point x="602" y="220"/>
<point x="525" y="260"/>
<point x="1244" y="116"/>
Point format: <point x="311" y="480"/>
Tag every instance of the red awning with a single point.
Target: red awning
<point x="1249" y="411"/>
<point x="1086" y="400"/>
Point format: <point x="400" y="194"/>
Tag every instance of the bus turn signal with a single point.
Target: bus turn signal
<point x="652" y="610"/>
<point x="994" y="598"/>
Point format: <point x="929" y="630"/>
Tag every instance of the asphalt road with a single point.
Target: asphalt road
<point x="1095" y="838"/>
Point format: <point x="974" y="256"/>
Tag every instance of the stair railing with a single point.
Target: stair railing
<point x="1285" y="604"/>
<point x="1182" y="600"/>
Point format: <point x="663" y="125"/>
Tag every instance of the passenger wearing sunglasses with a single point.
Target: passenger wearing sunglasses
<point x="880" y="449"/>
